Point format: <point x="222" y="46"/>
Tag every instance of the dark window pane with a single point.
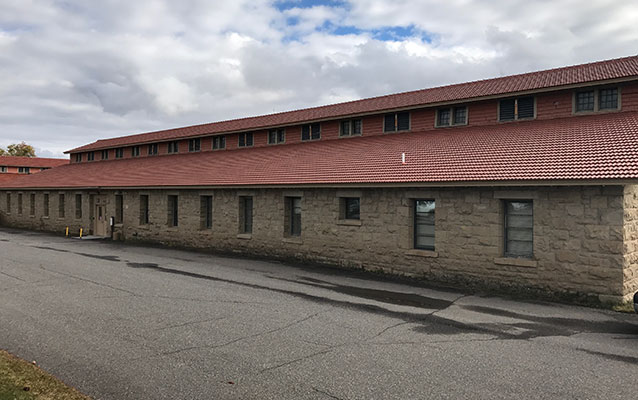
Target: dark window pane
<point x="608" y="99"/>
<point x="345" y="128"/>
<point x="352" y="208"/>
<point x="460" y="115"/>
<point x="506" y="110"/>
<point x="526" y="107"/>
<point x="444" y="117"/>
<point x="242" y="139"/>
<point x="585" y="101"/>
<point x="281" y="135"/>
<point x="388" y="123"/>
<point x="222" y="142"/>
<point x="249" y="139"/>
<point x="295" y="216"/>
<point x="403" y="121"/>
<point x="316" y="130"/>
<point x="272" y="136"/>
<point x="356" y="127"/>
<point x="305" y="132"/>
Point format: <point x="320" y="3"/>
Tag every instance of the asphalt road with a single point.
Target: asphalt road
<point x="127" y="322"/>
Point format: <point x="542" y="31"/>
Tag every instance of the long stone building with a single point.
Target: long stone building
<point x="523" y="181"/>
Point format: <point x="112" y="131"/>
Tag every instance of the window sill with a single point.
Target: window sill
<point x="245" y="236"/>
<point x="422" y="253"/>
<point x="292" y="240"/>
<point x="349" y="222"/>
<point x="517" y="262"/>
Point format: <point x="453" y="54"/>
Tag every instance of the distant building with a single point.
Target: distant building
<point x="11" y="166"/>
<point x="524" y="181"/>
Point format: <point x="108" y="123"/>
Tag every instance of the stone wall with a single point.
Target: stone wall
<point x="630" y="236"/>
<point x="583" y="243"/>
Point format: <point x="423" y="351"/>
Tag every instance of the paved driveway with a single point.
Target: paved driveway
<point x="126" y="322"/>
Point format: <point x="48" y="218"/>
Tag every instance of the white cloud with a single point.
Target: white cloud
<point x="77" y="71"/>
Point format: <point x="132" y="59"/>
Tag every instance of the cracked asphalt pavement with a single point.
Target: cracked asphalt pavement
<point x="119" y="321"/>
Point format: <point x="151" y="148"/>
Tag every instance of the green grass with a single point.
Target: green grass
<point x="21" y="380"/>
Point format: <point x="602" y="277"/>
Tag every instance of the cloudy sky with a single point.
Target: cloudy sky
<point x="73" y="71"/>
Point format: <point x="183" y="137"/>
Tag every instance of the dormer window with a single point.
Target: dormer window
<point x="105" y="154"/>
<point x="276" y="136"/>
<point x="396" y="122"/>
<point x="90" y="156"/>
<point x="194" y="144"/>
<point x="593" y="100"/>
<point x="152" y="149"/>
<point x="311" y="131"/>
<point x="350" y="127"/>
<point x="135" y="151"/>
<point x="173" y="147"/>
<point x="119" y="153"/>
<point x="515" y="109"/>
<point x="451" y="116"/>
<point x="219" y="142"/>
<point x="245" y="139"/>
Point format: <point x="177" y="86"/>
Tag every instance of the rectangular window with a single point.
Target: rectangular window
<point x="194" y="144"/>
<point x="61" y="206"/>
<point x="245" y="139"/>
<point x="245" y="214"/>
<point x="585" y="101"/>
<point x="350" y="127"/>
<point x="424" y="224"/>
<point x="515" y="109"/>
<point x="276" y="136"/>
<point x="219" y="142"/>
<point x="24" y="170"/>
<point x="608" y="99"/>
<point x="8" y="203"/>
<point x="153" y="149"/>
<point x="105" y="154"/>
<point x="78" y="206"/>
<point x="173" y="147"/>
<point x="19" y="203"/>
<point x="519" y="228"/>
<point x="311" y="131"/>
<point x="45" y="205"/>
<point x="3" y="169"/>
<point x="135" y="151"/>
<point x="90" y="156"/>
<point x="32" y="204"/>
<point x="451" y="116"/>
<point x="349" y="208"/>
<point x="78" y="157"/>
<point x="144" y="209"/>
<point x="395" y="122"/>
<point x="173" y="216"/>
<point x="119" y="208"/>
<point x="293" y="209"/>
<point x="206" y="212"/>
<point x="119" y="153"/>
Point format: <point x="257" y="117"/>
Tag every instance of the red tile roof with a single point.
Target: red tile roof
<point x="32" y="162"/>
<point x="4" y="178"/>
<point x="603" y="146"/>
<point x="553" y="78"/>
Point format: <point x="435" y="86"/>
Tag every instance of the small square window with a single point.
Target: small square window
<point x="395" y="122"/>
<point x="194" y="145"/>
<point x="460" y="116"/>
<point x="173" y="147"/>
<point x="444" y="117"/>
<point x="219" y="142"/>
<point x="608" y="99"/>
<point x="119" y="153"/>
<point x="152" y="149"/>
<point x="135" y="151"/>
<point x="350" y="127"/>
<point x="78" y="157"/>
<point x="585" y="101"/>
<point x="311" y="131"/>
<point x="90" y="156"/>
<point x="105" y="154"/>
<point x="515" y="109"/>
<point x="245" y="139"/>
<point x="276" y="136"/>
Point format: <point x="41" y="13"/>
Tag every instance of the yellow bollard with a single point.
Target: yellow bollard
<point x="80" y="233"/>
<point x="67" y="231"/>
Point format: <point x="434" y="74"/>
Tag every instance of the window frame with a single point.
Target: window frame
<point x="206" y="212"/>
<point x="416" y="225"/>
<point x="144" y="209"/>
<point x="506" y="252"/>
<point x="351" y="125"/>
<point x="119" y="152"/>
<point x="246" y="218"/>
<point x="20" y="203"/>
<point x="596" y="91"/>
<point x="311" y="132"/>
<point x="45" y="205"/>
<point x="396" y="122"/>
<point x="78" y="157"/>
<point x="78" y="206"/>
<point x="452" y="110"/>
<point x="90" y="156"/>
<point x="172" y="209"/>
<point x="244" y="138"/>
<point x="292" y="218"/>
<point x="516" y="117"/>
<point x="344" y="213"/>
<point x="194" y="145"/>
<point x="279" y="135"/>
<point x="218" y="142"/>
<point x="135" y="151"/>
<point x="61" y="205"/>
<point x="105" y="155"/>
<point x="153" y="149"/>
<point x="32" y="204"/>
<point x="24" y="170"/>
<point x="119" y="208"/>
<point x="173" y="147"/>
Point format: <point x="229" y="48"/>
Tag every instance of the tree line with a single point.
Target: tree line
<point x="19" y="150"/>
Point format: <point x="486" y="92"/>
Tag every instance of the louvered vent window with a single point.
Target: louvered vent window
<point x="514" y="109"/>
<point x="396" y="122"/>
